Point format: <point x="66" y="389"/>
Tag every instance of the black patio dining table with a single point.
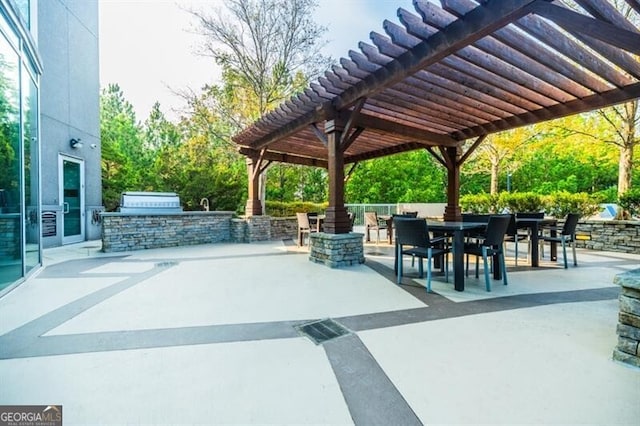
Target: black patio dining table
<point x="458" y="229"/>
<point x="535" y="225"/>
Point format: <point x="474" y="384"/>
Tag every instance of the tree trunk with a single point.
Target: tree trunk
<point x="495" y="168"/>
<point x="624" y="169"/>
<point x="626" y="152"/>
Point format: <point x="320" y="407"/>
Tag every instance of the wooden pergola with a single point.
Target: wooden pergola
<point x="447" y="75"/>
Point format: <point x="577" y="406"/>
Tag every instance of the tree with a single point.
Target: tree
<point x="616" y="126"/>
<point x="9" y="133"/>
<point x="121" y="138"/>
<point x="498" y="151"/>
<point x="158" y="131"/>
<point x="268" y="50"/>
<point x="410" y="177"/>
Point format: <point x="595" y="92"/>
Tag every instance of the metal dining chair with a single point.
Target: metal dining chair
<point x="371" y="221"/>
<point x="304" y="227"/>
<point x="414" y="233"/>
<point x="567" y="235"/>
<point x="491" y="245"/>
<point x="513" y="236"/>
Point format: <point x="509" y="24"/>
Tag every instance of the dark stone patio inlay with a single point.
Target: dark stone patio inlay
<point x="322" y="331"/>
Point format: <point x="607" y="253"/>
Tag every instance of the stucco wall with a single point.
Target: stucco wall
<point x="70" y="101"/>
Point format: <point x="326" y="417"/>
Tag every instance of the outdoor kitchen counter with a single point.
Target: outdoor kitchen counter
<point x="136" y="231"/>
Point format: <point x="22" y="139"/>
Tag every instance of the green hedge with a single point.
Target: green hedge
<point x="479" y="203"/>
<point x="557" y="204"/>
<point x="288" y="209"/>
<point x="521" y="202"/>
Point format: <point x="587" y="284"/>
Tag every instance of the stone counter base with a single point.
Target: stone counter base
<point x="126" y="232"/>
<point x="336" y="250"/>
<point x="628" y="349"/>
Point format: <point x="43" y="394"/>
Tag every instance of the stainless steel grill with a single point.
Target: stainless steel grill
<point x="150" y="202"/>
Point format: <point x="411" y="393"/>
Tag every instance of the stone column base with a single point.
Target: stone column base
<point x="336" y="250"/>
<point x="628" y="349"/>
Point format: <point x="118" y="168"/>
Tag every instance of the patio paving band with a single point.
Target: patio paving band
<point x="370" y="395"/>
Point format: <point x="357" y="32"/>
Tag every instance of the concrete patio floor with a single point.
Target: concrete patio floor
<point x="208" y="335"/>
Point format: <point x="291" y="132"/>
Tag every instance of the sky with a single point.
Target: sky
<point x="146" y="46"/>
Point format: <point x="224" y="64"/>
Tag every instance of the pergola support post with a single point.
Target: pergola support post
<point x="253" y="206"/>
<point x="336" y="246"/>
<point x="452" y="211"/>
<point x="337" y="220"/>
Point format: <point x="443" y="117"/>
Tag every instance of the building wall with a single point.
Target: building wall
<point x="70" y="102"/>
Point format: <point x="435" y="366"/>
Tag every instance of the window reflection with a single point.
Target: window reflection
<point x="10" y="217"/>
<point x="31" y="187"/>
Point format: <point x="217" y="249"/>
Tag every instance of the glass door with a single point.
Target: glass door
<point x="72" y="196"/>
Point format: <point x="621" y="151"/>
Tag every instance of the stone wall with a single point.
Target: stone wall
<point x="238" y="230"/>
<point x="125" y="232"/>
<point x="609" y="235"/>
<point x="336" y="250"/>
<point x="284" y="227"/>
<point x="628" y="349"/>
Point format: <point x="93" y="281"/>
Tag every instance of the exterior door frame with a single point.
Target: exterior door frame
<point x="77" y="237"/>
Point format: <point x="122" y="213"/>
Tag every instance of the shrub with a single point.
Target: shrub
<point x="630" y="201"/>
<point x="521" y="202"/>
<point x="559" y="204"/>
<point x="478" y="203"/>
<point x="287" y="209"/>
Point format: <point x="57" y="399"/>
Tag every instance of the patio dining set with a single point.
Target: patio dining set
<point x="480" y="235"/>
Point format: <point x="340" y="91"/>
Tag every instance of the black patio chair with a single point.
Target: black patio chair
<point x="413" y="232"/>
<point x="513" y="236"/>
<point x="567" y="235"/>
<point x="491" y="245"/>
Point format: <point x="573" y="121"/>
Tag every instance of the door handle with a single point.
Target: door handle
<point x="65" y="208"/>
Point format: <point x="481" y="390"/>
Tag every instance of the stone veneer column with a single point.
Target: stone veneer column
<point x="258" y="228"/>
<point x="628" y="349"/>
<point x="336" y="250"/>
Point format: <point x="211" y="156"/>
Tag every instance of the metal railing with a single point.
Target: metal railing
<point x="359" y="209"/>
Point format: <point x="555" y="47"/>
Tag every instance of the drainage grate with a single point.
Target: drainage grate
<point x="166" y="264"/>
<point x="322" y="331"/>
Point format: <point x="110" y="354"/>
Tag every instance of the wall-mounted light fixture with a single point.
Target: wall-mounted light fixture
<point x="75" y="143"/>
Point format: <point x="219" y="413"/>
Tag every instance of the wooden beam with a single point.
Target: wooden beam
<point x="552" y="36"/>
<point x="522" y="62"/>
<point x="353" y="115"/>
<point x="450" y="163"/>
<point x="266" y="165"/>
<point x="472" y="148"/>
<point x="287" y="158"/>
<point x="395" y="149"/>
<point x="351" y="139"/>
<point x="478" y="23"/>
<point x="435" y="155"/>
<point x="350" y="172"/>
<point x="518" y="41"/>
<point x="421" y="136"/>
<point x="612" y="97"/>
<point x="578" y="23"/>
<point x="319" y="133"/>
